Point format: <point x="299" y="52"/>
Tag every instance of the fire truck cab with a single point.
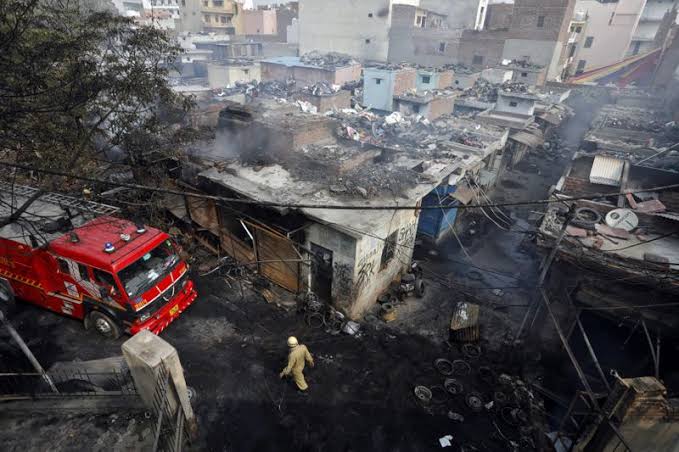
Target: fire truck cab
<point x="72" y="257"/>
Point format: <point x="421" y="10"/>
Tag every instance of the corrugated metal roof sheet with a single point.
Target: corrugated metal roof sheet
<point x="606" y="171"/>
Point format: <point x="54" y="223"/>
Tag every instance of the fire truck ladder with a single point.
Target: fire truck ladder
<point x="59" y="199"/>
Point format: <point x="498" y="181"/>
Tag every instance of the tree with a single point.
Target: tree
<point x="77" y="83"/>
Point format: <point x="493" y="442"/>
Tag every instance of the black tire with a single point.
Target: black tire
<point x="7" y="299"/>
<point x="104" y="325"/>
<point x="586" y="218"/>
<point x="419" y="288"/>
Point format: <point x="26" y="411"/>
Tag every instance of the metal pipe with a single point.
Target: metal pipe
<point x="543" y="273"/>
<point x="650" y="344"/>
<point x="566" y="346"/>
<point x="592" y="354"/>
<point x="24" y="348"/>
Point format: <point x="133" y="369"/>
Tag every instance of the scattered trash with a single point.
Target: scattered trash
<point x="351" y="328"/>
<point x="445" y="441"/>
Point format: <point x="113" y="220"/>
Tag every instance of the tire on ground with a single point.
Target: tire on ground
<point x="104" y="325"/>
<point x="419" y="288"/>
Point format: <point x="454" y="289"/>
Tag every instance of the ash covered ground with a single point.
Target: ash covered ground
<point x="361" y="391"/>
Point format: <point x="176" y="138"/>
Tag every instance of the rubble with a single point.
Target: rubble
<point x="327" y="60"/>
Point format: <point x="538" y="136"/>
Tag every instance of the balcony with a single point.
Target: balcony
<point x="226" y="7"/>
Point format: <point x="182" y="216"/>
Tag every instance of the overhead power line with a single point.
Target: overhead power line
<point x="326" y="206"/>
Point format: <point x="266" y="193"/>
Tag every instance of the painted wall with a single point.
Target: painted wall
<point x="371" y="278"/>
<point x="260" y="22"/>
<point x="427" y="80"/>
<point x="378" y="89"/>
<point x="343" y="249"/>
<point x="522" y="107"/>
<point x="220" y="76"/>
<point x="612" y="26"/>
<point x="356" y="27"/>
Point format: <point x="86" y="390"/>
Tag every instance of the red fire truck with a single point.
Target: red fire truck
<point x="72" y="257"/>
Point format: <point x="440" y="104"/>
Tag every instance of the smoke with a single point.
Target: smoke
<point x="461" y="13"/>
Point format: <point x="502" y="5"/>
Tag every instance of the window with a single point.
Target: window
<point x="149" y="269"/>
<point x="426" y="79"/>
<point x="635" y="49"/>
<point x="571" y="52"/>
<point x="513" y="104"/>
<point x="63" y="266"/>
<point x="378" y="81"/>
<point x="442" y="47"/>
<point x="205" y="3"/>
<point x="589" y="41"/>
<point x="478" y="59"/>
<point x="104" y="279"/>
<point x="84" y="274"/>
<point x="207" y="18"/>
<point x="367" y="41"/>
<point x="370" y="14"/>
<point x="610" y="21"/>
<point x="183" y="2"/>
<point x="581" y="66"/>
<point x="389" y="250"/>
<point x="416" y="108"/>
<point x="524" y="74"/>
<point x="222" y="19"/>
<point x="578" y="29"/>
<point x="246" y="71"/>
<point x="541" y="21"/>
<point x="218" y="3"/>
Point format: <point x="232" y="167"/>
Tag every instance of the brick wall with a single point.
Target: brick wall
<point x="440" y="105"/>
<point x="337" y="101"/>
<point x="556" y="14"/>
<point x="445" y="79"/>
<point x="272" y="71"/>
<point x="404" y="81"/>
<point x="499" y="16"/>
<point x="347" y="74"/>
<point x="577" y="186"/>
<point x="488" y="45"/>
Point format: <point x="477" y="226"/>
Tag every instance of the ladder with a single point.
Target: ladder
<point x="82" y="205"/>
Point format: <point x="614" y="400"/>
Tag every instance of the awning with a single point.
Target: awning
<point x="606" y="171"/>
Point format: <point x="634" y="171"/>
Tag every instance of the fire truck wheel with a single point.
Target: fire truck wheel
<point x="7" y="301"/>
<point x="104" y="325"/>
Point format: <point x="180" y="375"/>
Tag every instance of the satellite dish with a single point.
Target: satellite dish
<point x="622" y="219"/>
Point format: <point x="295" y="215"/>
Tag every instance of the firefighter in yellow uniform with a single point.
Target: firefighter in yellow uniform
<point x="298" y="356"/>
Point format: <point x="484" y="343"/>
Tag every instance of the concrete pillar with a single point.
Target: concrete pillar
<point x="145" y="353"/>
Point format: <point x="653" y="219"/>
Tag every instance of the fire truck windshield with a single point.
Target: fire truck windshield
<point x="150" y="268"/>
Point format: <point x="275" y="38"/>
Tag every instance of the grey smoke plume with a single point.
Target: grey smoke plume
<point x="461" y="13"/>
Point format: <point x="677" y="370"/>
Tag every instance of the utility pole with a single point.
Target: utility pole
<point x="543" y="274"/>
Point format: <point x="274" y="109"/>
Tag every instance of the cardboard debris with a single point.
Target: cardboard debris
<point x="612" y="232"/>
<point x="574" y="231"/>
<point x="653" y="206"/>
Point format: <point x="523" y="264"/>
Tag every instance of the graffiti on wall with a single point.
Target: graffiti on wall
<point x="366" y="270"/>
<point x="406" y="241"/>
<point x="342" y="280"/>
